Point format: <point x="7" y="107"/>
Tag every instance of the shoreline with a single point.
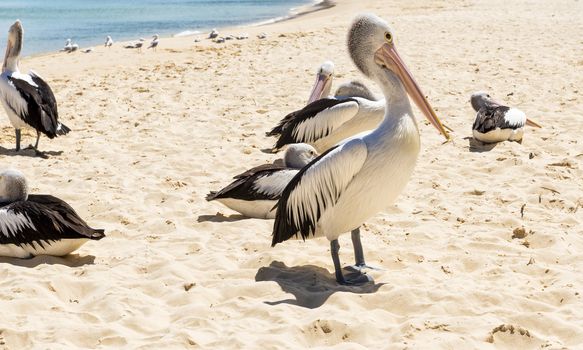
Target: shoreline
<point x="291" y="15"/>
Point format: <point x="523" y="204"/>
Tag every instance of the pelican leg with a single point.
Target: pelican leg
<point x="37" y="138"/>
<point x="359" y="263"/>
<point x="355" y="279"/>
<point x="17" y="139"/>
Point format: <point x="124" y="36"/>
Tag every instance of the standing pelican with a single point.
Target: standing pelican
<point x="353" y="181"/>
<point x="255" y="192"/>
<point x="108" y="41"/>
<point x="38" y="224"/>
<point x="27" y="98"/>
<point x="154" y="42"/>
<point x="496" y="122"/>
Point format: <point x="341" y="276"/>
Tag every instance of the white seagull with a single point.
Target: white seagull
<point x="33" y="225"/>
<point x="28" y="100"/>
<point x="496" y="122"/>
<point x="154" y="42"/>
<point x="355" y="180"/>
<point x="255" y="192"/>
<point x="70" y="47"/>
<point x="108" y="41"/>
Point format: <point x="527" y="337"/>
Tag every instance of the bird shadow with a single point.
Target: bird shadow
<point x="479" y="146"/>
<point x="71" y="260"/>
<point x="219" y="217"/>
<point x="311" y="285"/>
<point x="268" y="150"/>
<point x="28" y="152"/>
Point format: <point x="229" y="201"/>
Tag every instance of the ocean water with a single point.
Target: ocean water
<point x="48" y="23"/>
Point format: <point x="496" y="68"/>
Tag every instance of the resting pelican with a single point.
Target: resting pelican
<point x="28" y="100"/>
<point x="327" y="120"/>
<point x="38" y="224"/>
<point x="496" y="122"/>
<point x="154" y="42"/>
<point x="255" y="192"/>
<point x="353" y="181"/>
<point x="108" y="41"/>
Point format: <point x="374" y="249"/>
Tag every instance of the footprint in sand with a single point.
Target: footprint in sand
<point x="507" y="336"/>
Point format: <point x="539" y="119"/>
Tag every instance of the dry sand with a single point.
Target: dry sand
<point x="153" y="132"/>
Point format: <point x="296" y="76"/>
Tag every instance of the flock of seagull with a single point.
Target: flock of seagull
<point x="340" y="151"/>
<point x="72" y="47"/>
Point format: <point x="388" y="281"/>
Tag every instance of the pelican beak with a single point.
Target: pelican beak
<point x="388" y="56"/>
<point x="529" y="122"/>
<point x="9" y="47"/>
<point x="323" y="84"/>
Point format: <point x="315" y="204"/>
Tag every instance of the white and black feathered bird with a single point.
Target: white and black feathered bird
<point x="327" y="120"/>
<point x="496" y="122"/>
<point x="70" y="46"/>
<point x="108" y="41"/>
<point x="28" y="100"/>
<point x="255" y="192"/>
<point x="33" y="225"/>
<point x="154" y="42"/>
<point x="364" y="174"/>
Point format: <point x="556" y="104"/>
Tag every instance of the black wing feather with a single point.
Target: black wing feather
<point x="53" y="219"/>
<point x="242" y="187"/>
<point x="491" y="117"/>
<point x="286" y="126"/>
<point x="284" y="227"/>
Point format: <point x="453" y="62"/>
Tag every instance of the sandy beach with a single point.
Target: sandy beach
<point x="153" y="132"/>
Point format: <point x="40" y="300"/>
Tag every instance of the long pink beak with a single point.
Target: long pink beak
<point x="321" y="87"/>
<point x="529" y="122"/>
<point x="390" y="57"/>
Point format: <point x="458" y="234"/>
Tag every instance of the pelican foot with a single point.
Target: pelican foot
<point x="360" y="267"/>
<point x="355" y="279"/>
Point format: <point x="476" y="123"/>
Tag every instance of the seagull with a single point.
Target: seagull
<point x="70" y="47"/>
<point x="28" y="100"/>
<point x="213" y="34"/>
<point x="255" y="192"/>
<point x="154" y="42"/>
<point x="356" y="179"/>
<point x="137" y="45"/>
<point x="496" y="122"/>
<point x="39" y="224"/>
<point x="108" y="41"/>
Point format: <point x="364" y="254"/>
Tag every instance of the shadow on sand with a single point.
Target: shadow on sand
<point x="221" y="218"/>
<point x="71" y="260"/>
<point x="479" y="146"/>
<point x="28" y="152"/>
<point x="311" y="285"/>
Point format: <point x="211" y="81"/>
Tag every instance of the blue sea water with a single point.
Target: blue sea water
<point x="48" y="23"/>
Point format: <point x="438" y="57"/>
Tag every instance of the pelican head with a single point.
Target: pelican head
<point x="13" y="47"/>
<point x="355" y="88"/>
<point x="298" y="155"/>
<point x="481" y="99"/>
<point x="323" y="81"/>
<point x="13" y="186"/>
<point x="371" y="44"/>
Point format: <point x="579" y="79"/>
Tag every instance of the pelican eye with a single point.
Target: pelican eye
<point x="389" y="37"/>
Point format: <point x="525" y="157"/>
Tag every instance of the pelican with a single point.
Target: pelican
<point x="255" y="192"/>
<point x="327" y="120"/>
<point x="154" y="42"/>
<point x="108" y="41"/>
<point x="33" y="225"/>
<point x="354" y="180"/>
<point x="496" y="122"/>
<point x="28" y="100"/>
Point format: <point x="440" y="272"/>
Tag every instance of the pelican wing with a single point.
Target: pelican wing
<point x="41" y="106"/>
<point x="42" y="219"/>
<point x="264" y="182"/>
<point x="491" y="117"/>
<point x="316" y="188"/>
<point x="315" y="121"/>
